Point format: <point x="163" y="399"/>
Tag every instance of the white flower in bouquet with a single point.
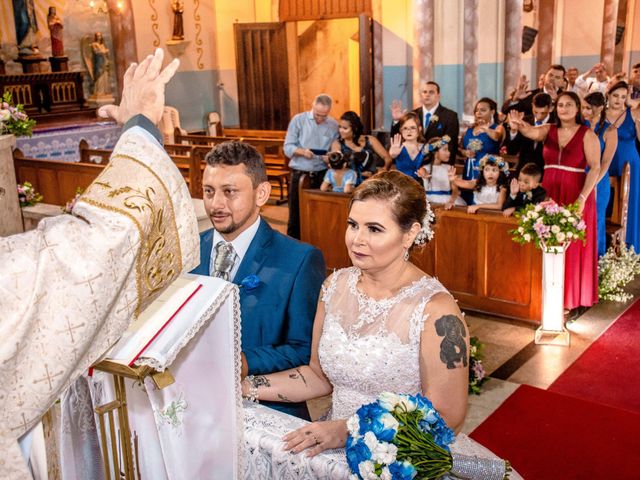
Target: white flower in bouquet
<point x="527" y="237"/>
<point x="367" y="470"/>
<point x="389" y="400"/>
<point x="573" y="220"/>
<point x="569" y="235"/>
<point x="560" y="236"/>
<point x="384" y="453"/>
<point x="563" y="221"/>
<point x="370" y="440"/>
<point x="538" y="208"/>
<point x="520" y="230"/>
<point x="5" y="115"/>
<point x="389" y="422"/>
<point x="353" y="424"/>
<point x="386" y="474"/>
<point x="555" y="229"/>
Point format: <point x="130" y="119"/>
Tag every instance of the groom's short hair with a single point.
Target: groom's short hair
<point x="239" y="153"/>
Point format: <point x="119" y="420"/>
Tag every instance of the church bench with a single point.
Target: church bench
<point x="616" y="225"/>
<point x="247" y="133"/>
<point x="472" y="255"/>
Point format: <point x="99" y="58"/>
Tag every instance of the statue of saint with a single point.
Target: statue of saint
<point x="96" y="57"/>
<point x="55" y="30"/>
<point x="178" y="27"/>
<point x="24" y="13"/>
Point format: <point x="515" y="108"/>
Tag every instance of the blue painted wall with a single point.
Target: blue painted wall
<point x="194" y="94"/>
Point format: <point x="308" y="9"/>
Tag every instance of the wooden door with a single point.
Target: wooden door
<point x="366" y="72"/>
<point x="262" y="74"/>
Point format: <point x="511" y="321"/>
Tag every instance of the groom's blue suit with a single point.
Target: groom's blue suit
<point x="277" y="315"/>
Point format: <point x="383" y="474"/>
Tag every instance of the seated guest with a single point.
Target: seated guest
<point x="489" y="189"/>
<point x="338" y="178"/>
<point x="525" y="190"/>
<point x="277" y="313"/>
<point x="407" y="148"/>
<point x="352" y="140"/>
<point x="529" y="151"/>
<point x="435" y="174"/>
<point x="482" y="138"/>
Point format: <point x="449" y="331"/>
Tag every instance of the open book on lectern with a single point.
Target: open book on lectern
<point x="169" y="322"/>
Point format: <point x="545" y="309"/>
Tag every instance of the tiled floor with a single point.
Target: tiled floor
<point x="509" y="351"/>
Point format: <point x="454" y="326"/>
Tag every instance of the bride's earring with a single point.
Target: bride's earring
<point x="406" y="255"/>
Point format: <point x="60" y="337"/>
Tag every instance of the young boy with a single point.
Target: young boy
<point x="525" y="190"/>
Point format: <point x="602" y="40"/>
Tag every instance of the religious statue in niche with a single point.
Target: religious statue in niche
<point x="55" y="31"/>
<point x="96" y="57"/>
<point x="24" y="14"/>
<point x="178" y="26"/>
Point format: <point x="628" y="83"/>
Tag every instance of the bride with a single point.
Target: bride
<point x="381" y="325"/>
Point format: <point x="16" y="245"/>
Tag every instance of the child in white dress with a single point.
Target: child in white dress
<point x="490" y="188"/>
<point x="435" y="174"/>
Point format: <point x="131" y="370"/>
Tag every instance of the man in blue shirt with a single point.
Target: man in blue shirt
<point x="309" y="138"/>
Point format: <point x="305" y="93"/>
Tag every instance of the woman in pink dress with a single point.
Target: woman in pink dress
<point x="569" y="148"/>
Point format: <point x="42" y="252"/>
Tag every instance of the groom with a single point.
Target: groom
<point x="279" y="277"/>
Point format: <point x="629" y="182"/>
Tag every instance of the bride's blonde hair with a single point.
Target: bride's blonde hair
<point x="405" y="196"/>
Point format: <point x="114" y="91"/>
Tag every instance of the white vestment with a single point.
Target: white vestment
<point x="70" y="288"/>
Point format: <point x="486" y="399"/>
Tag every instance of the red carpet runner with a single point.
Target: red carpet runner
<point x="608" y="372"/>
<point x="549" y="436"/>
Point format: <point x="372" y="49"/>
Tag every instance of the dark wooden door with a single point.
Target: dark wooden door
<point x="262" y="73"/>
<point x="366" y="71"/>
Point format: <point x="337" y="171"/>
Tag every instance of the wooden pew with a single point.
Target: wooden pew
<point x="472" y="255"/>
<point x="246" y="133"/>
<point x="616" y="225"/>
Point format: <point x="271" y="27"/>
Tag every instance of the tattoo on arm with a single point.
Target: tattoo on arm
<point x="283" y="398"/>
<point x="453" y="349"/>
<point x="261" y="381"/>
<point x="298" y="374"/>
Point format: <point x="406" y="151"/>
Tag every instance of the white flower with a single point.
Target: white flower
<point x="520" y="230"/>
<point x="434" y="118"/>
<point x="353" y="476"/>
<point x="573" y="220"/>
<point x="353" y="425"/>
<point x="384" y="453"/>
<point x="407" y="404"/>
<point x="566" y="212"/>
<point x="533" y="214"/>
<point x="527" y="237"/>
<point x="389" y="400"/>
<point x="555" y="229"/>
<point x="389" y="422"/>
<point x="370" y="440"/>
<point x="560" y="236"/>
<point x="367" y="470"/>
<point x="563" y="220"/>
<point x="538" y="207"/>
<point x="569" y="234"/>
<point x="5" y="115"/>
<point x="385" y="474"/>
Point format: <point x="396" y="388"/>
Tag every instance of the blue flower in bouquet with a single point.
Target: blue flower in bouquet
<point x="402" y="470"/>
<point x="357" y="452"/>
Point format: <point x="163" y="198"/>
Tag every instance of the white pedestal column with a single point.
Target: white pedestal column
<point x="10" y="214"/>
<point x="552" y="330"/>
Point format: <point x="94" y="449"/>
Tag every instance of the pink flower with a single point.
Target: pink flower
<point x="581" y="225"/>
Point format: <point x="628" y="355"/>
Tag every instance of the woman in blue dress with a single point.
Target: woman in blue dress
<point x="407" y="147"/>
<point x="593" y="110"/>
<point x="627" y="121"/>
<point x="482" y="138"/>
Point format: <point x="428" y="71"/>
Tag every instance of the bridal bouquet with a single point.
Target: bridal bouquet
<point x="399" y="437"/>
<point x="13" y="120"/>
<point x="475" y="145"/>
<point x="549" y="225"/>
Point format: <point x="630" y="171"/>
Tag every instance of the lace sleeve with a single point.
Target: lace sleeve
<point x="329" y="286"/>
<point x="419" y="317"/>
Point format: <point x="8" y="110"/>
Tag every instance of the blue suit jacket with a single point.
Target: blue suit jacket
<point x="277" y="315"/>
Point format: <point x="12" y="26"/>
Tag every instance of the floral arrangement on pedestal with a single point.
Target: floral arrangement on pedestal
<point x="615" y="271"/>
<point x="477" y="374"/>
<point x="27" y="195"/>
<point x="548" y="224"/>
<point x="13" y="120"/>
<point x="401" y="437"/>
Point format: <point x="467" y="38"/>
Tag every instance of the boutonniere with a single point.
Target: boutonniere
<point x="434" y="118"/>
<point x="250" y="282"/>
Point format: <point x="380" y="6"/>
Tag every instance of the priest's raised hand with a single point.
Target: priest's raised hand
<point x="69" y="288"/>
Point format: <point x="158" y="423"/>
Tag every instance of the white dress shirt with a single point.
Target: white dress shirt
<point x="240" y="245"/>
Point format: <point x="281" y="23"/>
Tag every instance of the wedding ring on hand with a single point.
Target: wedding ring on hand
<point x="315" y="439"/>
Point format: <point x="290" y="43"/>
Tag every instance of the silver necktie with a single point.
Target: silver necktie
<point x="223" y="263"/>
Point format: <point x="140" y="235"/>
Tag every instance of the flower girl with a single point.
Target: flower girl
<point x="490" y="188"/>
<point x="339" y="178"/>
<point x="435" y="174"/>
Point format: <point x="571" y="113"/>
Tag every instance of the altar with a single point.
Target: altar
<point x="62" y="144"/>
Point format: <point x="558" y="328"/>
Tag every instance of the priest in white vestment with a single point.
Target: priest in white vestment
<point x="70" y="288"/>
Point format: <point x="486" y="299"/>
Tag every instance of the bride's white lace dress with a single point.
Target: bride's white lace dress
<point x="367" y="346"/>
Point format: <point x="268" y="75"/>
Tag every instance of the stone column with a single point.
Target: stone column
<point x="422" y="43"/>
<point x="470" y="55"/>
<point x="512" y="44"/>
<point x="10" y="214"/>
<point x="608" y="44"/>
<point x="123" y="35"/>
<point x="546" y="19"/>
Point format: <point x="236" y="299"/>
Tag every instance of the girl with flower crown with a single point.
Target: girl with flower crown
<point x="435" y="174"/>
<point x="482" y="138"/>
<point x="490" y="188"/>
